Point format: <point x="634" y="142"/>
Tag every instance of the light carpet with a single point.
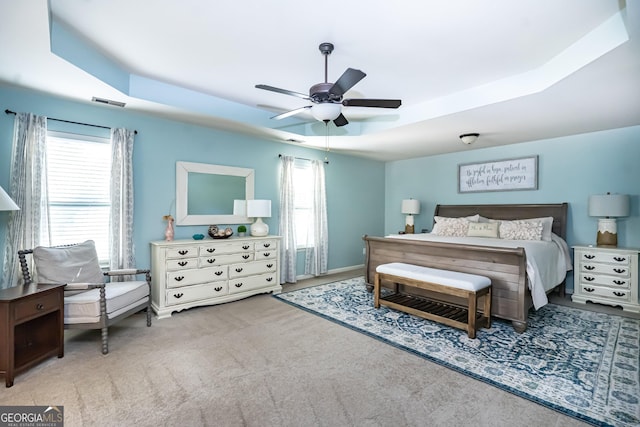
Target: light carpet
<point x="581" y="363"/>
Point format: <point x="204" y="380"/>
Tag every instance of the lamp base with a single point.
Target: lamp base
<point x="607" y="233"/>
<point x="259" y="228"/>
<point x="409" y="229"/>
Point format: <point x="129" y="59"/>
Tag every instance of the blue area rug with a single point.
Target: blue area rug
<point x="580" y="363"/>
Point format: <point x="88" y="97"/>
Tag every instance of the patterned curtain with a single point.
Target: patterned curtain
<point x="121" y="233"/>
<point x="287" y="223"/>
<point x="316" y="256"/>
<point x="28" y="227"/>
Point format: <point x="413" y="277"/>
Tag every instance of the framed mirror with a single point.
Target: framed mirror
<point x="205" y="193"/>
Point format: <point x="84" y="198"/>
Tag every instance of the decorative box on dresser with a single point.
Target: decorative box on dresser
<point x="191" y="273"/>
<point x="606" y="276"/>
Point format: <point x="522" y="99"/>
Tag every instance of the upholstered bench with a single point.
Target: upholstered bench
<point x="464" y="285"/>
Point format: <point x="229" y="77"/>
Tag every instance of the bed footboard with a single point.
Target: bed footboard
<point x="506" y="267"/>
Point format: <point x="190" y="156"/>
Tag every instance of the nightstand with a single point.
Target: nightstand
<point x="606" y="276"/>
<point x="31" y="327"/>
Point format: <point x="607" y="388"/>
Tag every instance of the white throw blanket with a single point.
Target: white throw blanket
<point x="547" y="262"/>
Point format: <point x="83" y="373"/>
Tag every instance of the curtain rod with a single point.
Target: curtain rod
<point x="302" y="158"/>
<point x="69" y="121"/>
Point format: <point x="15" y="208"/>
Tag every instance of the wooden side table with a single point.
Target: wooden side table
<point x="31" y="327"/>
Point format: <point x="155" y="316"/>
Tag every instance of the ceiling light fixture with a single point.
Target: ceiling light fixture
<point x="326" y="111"/>
<point x="469" y="138"/>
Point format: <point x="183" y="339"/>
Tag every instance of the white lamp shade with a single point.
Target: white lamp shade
<point x="258" y="208"/>
<point x="326" y="111"/>
<point x="609" y="205"/>
<point x="240" y="207"/>
<point x="6" y="203"/>
<point x="411" y="207"/>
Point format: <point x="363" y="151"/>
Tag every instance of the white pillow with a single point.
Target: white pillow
<point x="68" y="264"/>
<point x="547" y="224"/>
<point x="483" y="229"/>
<point x="521" y="230"/>
<point x="451" y="227"/>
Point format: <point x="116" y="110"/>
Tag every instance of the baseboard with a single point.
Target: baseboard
<point x="333" y="271"/>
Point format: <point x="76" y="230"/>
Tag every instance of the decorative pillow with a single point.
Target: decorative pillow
<point x="521" y="230"/>
<point x="547" y="224"/>
<point x="451" y="227"/>
<point x="68" y="264"/>
<point x="480" y="229"/>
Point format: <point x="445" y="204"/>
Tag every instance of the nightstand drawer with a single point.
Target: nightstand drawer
<point x="614" y="270"/>
<point x="602" y="280"/>
<point x="612" y="294"/>
<point x="594" y="256"/>
<point x="36" y="306"/>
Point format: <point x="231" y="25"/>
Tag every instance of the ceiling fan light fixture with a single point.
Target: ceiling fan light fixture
<point x="469" y="138"/>
<point x="326" y="111"/>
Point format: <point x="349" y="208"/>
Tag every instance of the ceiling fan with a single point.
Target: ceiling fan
<point x="327" y="97"/>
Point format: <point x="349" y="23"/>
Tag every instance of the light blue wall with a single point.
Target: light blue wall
<point x="569" y="170"/>
<point x="354" y="199"/>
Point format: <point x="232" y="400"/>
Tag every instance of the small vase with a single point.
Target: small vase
<point x="168" y="232"/>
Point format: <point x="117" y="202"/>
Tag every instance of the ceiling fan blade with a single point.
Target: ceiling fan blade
<point x="283" y="91"/>
<point x="340" y="120"/>
<point x="378" y="103"/>
<point x="291" y="113"/>
<point x="347" y="80"/>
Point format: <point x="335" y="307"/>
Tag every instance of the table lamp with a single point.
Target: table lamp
<point x="607" y="207"/>
<point x="6" y="203"/>
<point x="410" y="207"/>
<point x="259" y="209"/>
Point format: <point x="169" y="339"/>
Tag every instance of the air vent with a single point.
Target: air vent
<point x="108" y="102"/>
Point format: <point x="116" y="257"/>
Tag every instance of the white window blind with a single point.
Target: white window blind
<point x="303" y="201"/>
<point x="78" y="173"/>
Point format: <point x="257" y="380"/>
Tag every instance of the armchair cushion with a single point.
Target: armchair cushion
<point x="68" y="264"/>
<point x="121" y="296"/>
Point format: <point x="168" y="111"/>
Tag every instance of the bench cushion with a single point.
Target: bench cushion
<point x="469" y="282"/>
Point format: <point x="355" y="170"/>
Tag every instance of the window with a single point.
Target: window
<point x="78" y="175"/>
<point x="303" y="202"/>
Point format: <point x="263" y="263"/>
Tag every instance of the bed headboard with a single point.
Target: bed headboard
<point x="518" y="211"/>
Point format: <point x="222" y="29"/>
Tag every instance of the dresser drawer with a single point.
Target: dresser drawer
<point x="268" y="254"/>
<point x="197" y="292"/>
<point x="180" y="278"/>
<point x="182" y="264"/>
<point x="251" y="268"/>
<point x="225" y="248"/>
<point x="611" y="258"/>
<point x="243" y="284"/>
<point x="224" y="259"/>
<point x="266" y="245"/>
<point x="182" y="252"/>
<point x="588" y="279"/>
<point x="609" y="293"/>
<point x="596" y="268"/>
<point x="35" y="306"/>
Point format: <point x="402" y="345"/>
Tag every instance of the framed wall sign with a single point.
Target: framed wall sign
<point x="499" y="175"/>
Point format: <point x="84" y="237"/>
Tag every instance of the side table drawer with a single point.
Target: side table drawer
<point x="613" y="294"/>
<point x="35" y="306"/>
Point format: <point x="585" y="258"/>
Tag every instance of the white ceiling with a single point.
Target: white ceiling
<point x="512" y="71"/>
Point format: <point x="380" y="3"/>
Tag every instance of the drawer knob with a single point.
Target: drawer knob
<point x="589" y="267"/>
<point x="619" y="294"/>
<point x="266" y="245"/>
<point x="589" y="256"/>
<point x="211" y="250"/>
<point x="267" y="253"/>
<point x="589" y="289"/>
<point x="239" y="269"/>
<point x="218" y="273"/>
<point x="211" y="260"/>
<point x="39" y="306"/>
<point x="245" y="247"/>
<point x="179" y="278"/>
<point x="619" y="270"/>
<point x="589" y="278"/>
<point x="269" y="265"/>
<point x="620" y="282"/>
<point x="183" y="263"/>
<point x="183" y="252"/>
<point x="178" y="295"/>
<point x="218" y="288"/>
<point x="246" y="256"/>
<point x="269" y="279"/>
<point x="619" y="258"/>
<point x="238" y="285"/>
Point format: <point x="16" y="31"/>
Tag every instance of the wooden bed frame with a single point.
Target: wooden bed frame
<point x="506" y="267"/>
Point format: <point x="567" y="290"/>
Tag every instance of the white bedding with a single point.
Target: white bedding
<point x="547" y="262"/>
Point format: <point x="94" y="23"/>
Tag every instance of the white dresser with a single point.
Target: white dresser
<point x="607" y="276"/>
<point x="190" y="273"/>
